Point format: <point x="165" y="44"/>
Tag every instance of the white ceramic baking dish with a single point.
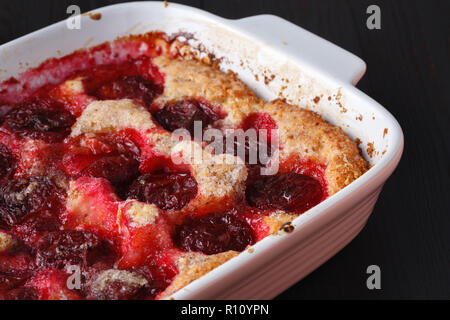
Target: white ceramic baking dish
<point x="274" y="57"/>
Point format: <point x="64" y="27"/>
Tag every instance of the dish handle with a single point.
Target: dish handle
<point x="306" y="46"/>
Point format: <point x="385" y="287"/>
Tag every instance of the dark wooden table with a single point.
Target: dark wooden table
<point x="408" y="235"/>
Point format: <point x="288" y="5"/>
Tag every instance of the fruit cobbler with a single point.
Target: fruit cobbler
<point x="102" y="198"/>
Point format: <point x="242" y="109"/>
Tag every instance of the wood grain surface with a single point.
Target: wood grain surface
<point x="408" y="235"/>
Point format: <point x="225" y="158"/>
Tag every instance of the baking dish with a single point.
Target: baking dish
<point x="275" y="58"/>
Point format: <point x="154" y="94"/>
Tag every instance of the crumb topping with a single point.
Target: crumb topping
<point x="111" y="116"/>
<point x="277" y="219"/>
<point x="191" y="78"/>
<point x="6" y="241"/>
<point x="101" y="284"/>
<point x="307" y="134"/>
<point x="192" y="266"/>
<point x="140" y="214"/>
<point x="217" y="175"/>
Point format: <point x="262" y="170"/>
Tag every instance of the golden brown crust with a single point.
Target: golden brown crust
<point x="186" y="79"/>
<point x="277" y="219"/>
<point x="192" y="266"/>
<point x="306" y="134"/>
<point x="6" y="241"/>
<point x="112" y="115"/>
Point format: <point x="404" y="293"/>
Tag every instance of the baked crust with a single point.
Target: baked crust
<point x="186" y="79"/>
<point x="192" y="266"/>
<point x="6" y="242"/>
<point x="111" y="116"/>
<point x="306" y="134"/>
<point x="278" y="219"/>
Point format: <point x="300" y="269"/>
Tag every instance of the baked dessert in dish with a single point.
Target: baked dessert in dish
<point x="130" y="169"/>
